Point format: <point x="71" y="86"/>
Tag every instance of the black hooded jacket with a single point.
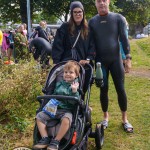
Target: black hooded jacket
<point x="63" y="43"/>
<point x="41" y="47"/>
<point x="41" y="33"/>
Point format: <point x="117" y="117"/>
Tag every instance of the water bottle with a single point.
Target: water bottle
<point x="99" y="75"/>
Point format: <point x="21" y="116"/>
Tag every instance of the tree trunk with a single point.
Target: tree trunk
<point x="66" y="17"/>
<point x="67" y="12"/>
<point x="23" y="10"/>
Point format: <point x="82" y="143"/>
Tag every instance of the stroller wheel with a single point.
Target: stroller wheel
<point x="99" y="135"/>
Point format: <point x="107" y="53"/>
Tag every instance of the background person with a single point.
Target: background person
<point x="40" y="31"/>
<point x="5" y="43"/>
<point x="25" y="29"/>
<point x="49" y="32"/>
<point x="11" y="46"/>
<point x="41" y="50"/>
<point x="1" y="40"/>
<point x="20" y="44"/>
<point x="107" y="28"/>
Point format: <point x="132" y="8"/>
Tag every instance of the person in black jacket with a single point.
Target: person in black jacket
<point x="42" y="49"/>
<point x="39" y="30"/>
<point x="66" y="35"/>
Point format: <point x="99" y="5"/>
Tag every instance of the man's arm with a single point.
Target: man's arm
<point x="122" y="34"/>
<point x="125" y="43"/>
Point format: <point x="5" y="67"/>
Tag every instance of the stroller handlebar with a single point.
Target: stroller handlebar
<point x="70" y="99"/>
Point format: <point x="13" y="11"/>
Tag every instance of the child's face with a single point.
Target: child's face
<point x="69" y="75"/>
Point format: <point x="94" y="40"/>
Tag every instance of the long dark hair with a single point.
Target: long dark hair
<point x="84" y="26"/>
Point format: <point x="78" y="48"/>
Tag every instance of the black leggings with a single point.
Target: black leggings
<point x="117" y="72"/>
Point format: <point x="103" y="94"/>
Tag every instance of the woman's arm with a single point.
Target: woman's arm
<point x="58" y="45"/>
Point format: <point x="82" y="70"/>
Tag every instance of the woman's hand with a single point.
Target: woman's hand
<point x="83" y="62"/>
<point x="74" y="86"/>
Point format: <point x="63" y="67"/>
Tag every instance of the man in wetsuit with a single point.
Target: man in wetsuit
<point x="107" y="28"/>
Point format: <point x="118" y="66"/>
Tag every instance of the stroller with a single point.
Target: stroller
<point x="81" y="127"/>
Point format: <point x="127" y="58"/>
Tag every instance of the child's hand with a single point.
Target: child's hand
<point x="74" y="86"/>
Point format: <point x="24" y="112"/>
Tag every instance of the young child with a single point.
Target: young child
<point x="68" y="86"/>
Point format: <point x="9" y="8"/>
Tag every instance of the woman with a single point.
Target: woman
<point x="20" y="43"/>
<point x="25" y="29"/>
<point x="66" y="36"/>
<point x="5" y="43"/>
<point x="1" y="40"/>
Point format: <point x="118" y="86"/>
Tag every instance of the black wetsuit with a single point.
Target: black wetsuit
<point x="107" y="30"/>
<point x="42" y="48"/>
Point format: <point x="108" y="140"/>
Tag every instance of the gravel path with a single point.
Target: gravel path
<point x="140" y="73"/>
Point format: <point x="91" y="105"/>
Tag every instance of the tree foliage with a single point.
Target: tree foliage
<point x="136" y="11"/>
<point x="16" y="10"/>
<point x="9" y="8"/>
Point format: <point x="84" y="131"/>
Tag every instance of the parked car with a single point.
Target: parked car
<point x="139" y="36"/>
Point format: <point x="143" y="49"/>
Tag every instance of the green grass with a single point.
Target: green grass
<point x="138" y="115"/>
<point x="140" y="50"/>
<point x="20" y="84"/>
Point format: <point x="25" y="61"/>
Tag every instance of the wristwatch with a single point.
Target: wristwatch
<point x="88" y="59"/>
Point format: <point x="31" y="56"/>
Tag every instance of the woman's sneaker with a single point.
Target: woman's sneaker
<point x="54" y="145"/>
<point x="43" y="143"/>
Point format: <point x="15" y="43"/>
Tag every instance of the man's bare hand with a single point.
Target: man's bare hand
<point x="128" y="65"/>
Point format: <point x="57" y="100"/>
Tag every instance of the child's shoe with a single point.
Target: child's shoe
<point x="54" y="145"/>
<point x="43" y="143"/>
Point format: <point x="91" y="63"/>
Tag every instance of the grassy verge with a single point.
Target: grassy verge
<point x="138" y="113"/>
<point x="20" y="84"/>
<point x="140" y="50"/>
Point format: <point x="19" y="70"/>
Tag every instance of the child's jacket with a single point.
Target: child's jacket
<point x="64" y="88"/>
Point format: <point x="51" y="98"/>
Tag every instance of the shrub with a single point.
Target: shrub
<point x="19" y="86"/>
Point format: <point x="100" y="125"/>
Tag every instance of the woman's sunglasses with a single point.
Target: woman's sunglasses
<point x="78" y="12"/>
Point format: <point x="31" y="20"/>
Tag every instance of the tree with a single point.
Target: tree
<point x="9" y="8"/>
<point x="60" y="8"/>
<point x="137" y="12"/>
<point x="16" y="10"/>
